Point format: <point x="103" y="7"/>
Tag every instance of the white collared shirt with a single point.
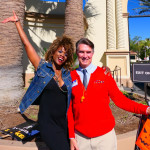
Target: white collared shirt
<point x="90" y="69"/>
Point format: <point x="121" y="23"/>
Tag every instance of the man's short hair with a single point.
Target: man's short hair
<point x="85" y="41"/>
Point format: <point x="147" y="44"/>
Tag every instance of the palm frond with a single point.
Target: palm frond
<point x="144" y="10"/>
<point x="145" y="6"/>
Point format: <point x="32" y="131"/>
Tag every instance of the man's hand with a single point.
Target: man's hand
<point x="13" y="18"/>
<point x="148" y="111"/>
<point x="73" y="144"/>
<point x="107" y="70"/>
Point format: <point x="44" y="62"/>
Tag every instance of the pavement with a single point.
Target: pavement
<point x="125" y="141"/>
<point x="138" y="88"/>
<point x="18" y="145"/>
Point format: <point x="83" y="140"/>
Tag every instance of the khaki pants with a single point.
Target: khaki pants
<point x="107" y="141"/>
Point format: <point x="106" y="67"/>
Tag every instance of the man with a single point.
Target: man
<point x="90" y="120"/>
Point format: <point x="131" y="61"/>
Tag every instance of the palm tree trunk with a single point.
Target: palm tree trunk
<point x="74" y="23"/>
<point x="11" y="50"/>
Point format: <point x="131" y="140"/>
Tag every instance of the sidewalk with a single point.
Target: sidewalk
<point x="138" y="88"/>
<point x="18" y="145"/>
<point x="125" y="142"/>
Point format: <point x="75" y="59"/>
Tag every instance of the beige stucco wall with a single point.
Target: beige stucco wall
<point x="41" y="35"/>
<point x="40" y="38"/>
<point x="124" y="6"/>
<point x="97" y="28"/>
<point x="44" y="7"/>
<point x="118" y="54"/>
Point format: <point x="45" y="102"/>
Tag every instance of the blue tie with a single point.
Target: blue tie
<point x="84" y="78"/>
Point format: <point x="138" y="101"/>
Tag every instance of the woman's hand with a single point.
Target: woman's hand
<point x="31" y="52"/>
<point x="148" y="111"/>
<point x="73" y="144"/>
<point x="107" y="70"/>
<point x="13" y="18"/>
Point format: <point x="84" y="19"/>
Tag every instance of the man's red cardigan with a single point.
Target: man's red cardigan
<point x="92" y="115"/>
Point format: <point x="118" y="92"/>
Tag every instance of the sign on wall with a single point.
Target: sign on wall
<point x="141" y="72"/>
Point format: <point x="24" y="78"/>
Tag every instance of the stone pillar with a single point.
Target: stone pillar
<point x="111" y="24"/>
<point x="119" y="26"/>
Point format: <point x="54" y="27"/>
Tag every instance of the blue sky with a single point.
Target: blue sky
<point x="138" y="26"/>
<point x="84" y="1"/>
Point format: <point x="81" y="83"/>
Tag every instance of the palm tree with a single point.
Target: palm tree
<point x="142" y="47"/>
<point x="145" y="48"/>
<point x="11" y="50"/>
<point x="74" y="19"/>
<point x="145" y="6"/>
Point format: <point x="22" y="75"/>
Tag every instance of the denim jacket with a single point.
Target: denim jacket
<point x="42" y="77"/>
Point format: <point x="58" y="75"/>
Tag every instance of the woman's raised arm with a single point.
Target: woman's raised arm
<point x="32" y="54"/>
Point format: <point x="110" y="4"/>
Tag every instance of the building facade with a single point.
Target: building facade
<point x="107" y="28"/>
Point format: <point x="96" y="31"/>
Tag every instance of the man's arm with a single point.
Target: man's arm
<point x="122" y="101"/>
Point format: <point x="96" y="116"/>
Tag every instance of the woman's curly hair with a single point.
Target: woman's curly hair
<point x="67" y="43"/>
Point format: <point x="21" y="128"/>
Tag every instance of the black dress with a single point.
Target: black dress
<point x="52" y="116"/>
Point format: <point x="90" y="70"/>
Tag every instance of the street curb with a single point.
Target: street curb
<point x="125" y="141"/>
<point x="18" y="145"/>
<point x="138" y="94"/>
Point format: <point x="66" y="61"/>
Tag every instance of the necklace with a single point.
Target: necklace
<point x="62" y="89"/>
<point x="57" y="77"/>
<point x="57" y="81"/>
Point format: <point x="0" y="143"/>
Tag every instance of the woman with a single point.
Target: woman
<point x="51" y="87"/>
